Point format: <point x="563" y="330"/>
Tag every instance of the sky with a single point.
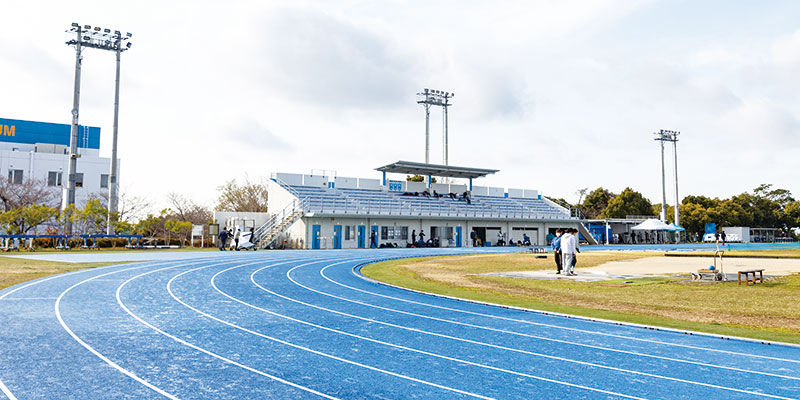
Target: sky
<point x="557" y="95"/>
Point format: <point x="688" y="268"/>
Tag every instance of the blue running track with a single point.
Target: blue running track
<point x="307" y="325"/>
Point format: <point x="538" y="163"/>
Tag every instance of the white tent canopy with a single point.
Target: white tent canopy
<point x="653" y="225"/>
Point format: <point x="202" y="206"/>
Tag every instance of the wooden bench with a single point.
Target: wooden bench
<point x="747" y="273"/>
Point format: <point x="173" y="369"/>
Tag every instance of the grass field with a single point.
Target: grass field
<point x="18" y="270"/>
<point x="770" y="311"/>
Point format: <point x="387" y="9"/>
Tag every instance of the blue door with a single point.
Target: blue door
<point x="337" y="236"/>
<point x="315" y="237"/>
<point x="458" y="236"/>
<point x="362" y="232"/>
<point x="373" y="237"/>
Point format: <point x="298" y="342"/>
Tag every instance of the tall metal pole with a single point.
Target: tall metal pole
<point x="112" y="176"/>
<point x="69" y="191"/>
<point x="677" y="201"/>
<point x="445" y="134"/>
<point x="427" y="132"/>
<point x="663" y="187"/>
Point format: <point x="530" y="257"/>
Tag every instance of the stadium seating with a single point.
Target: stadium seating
<point x="379" y="202"/>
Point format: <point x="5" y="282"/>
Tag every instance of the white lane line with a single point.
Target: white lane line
<point x="501" y="347"/>
<point x="205" y="351"/>
<point x="28" y="298"/>
<point x="213" y="284"/>
<point x="544" y="324"/>
<point x="97" y="353"/>
<point x="169" y="289"/>
<point x="545" y="338"/>
<point x="6" y="391"/>
<point x="252" y="279"/>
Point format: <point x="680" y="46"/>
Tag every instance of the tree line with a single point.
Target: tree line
<point x="34" y="207"/>
<point x="764" y="207"/>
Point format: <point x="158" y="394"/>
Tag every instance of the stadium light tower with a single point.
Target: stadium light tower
<point x="668" y="136"/>
<point x="103" y="39"/>
<point x="439" y="98"/>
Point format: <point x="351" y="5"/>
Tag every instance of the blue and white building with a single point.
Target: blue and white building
<point x="40" y="150"/>
<point x="332" y="212"/>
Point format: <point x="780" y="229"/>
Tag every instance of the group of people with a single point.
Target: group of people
<point x="226" y="233"/>
<point x="565" y="248"/>
<point x="464" y="196"/>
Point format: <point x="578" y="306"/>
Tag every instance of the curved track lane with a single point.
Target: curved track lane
<point x="300" y="325"/>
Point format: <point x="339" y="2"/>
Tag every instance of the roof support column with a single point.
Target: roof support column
<point x="429" y="181"/>
<point x="384" y="178"/>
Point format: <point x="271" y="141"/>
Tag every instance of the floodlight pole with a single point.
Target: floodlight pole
<point x="435" y="98"/>
<point x="445" y="132"/>
<point x="112" y="176"/>
<point x="677" y="200"/>
<point x="663" y="187"/>
<point x="69" y="191"/>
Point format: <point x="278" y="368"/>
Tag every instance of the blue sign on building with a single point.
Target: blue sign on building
<point x="30" y="132"/>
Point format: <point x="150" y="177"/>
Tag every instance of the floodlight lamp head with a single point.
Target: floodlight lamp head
<point x="107" y="30"/>
<point x="97" y="28"/>
<point x="75" y="25"/>
<point x="117" y="33"/>
<point x="129" y="34"/>
<point x="129" y="45"/>
<point x="87" y="27"/>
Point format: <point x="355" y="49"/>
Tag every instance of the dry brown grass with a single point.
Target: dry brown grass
<point x="770" y="306"/>
<point x="17" y="270"/>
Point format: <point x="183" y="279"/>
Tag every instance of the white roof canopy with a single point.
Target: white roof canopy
<point x="653" y="225"/>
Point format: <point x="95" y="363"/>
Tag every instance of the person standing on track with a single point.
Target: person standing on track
<point x="557" y="249"/>
<point x="236" y="236"/>
<point x="569" y="244"/>
<point x="223" y="237"/>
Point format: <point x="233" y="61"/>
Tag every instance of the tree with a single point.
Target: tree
<point x="187" y="210"/>
<point x="179" y="228"/>
<point x="92" y="218"/>
<point x="29" y="192"/>
<point x="629" y="202"/>
<point x="249" y="197"/>
<point x="419" y="178"/>
<point x="21" y="220"/>
<point x="595" y="202"/>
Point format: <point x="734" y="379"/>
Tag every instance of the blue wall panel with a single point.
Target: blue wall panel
<point x="30" y="132"/>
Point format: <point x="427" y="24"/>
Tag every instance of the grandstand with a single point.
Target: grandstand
<point x="319" y="211"/>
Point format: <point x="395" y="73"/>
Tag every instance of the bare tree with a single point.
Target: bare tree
<point x="251" y="196"/>
<point x="187" y="210"/>
<point x="30" y="191"/>
<point x="130" y="208"/>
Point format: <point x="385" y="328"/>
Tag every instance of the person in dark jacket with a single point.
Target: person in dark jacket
<point x="223" y="238"/>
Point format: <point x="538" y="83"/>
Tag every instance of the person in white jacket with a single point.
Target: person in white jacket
<point x="569" y="245"/>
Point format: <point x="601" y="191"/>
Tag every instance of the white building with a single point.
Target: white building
<point x="325" y="212"/>
<point x="39" y="150"/>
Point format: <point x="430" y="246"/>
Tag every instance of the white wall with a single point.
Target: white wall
<point x="416" y="186"/>
<point x="290" y="179"/>
<point x="531" y="194"/>
<point x="371" y="184"/>
<point x="516" y="193"/>
<point x="441" y="188"/>
<point x="480" y="191"/>
<point x="342" y="182"/>
<point x="315" y="180"/>
<point x="38" y="165"/>
<point x="497" y="192"/>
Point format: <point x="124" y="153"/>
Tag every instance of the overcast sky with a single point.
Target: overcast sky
<point x="557" y="95"/>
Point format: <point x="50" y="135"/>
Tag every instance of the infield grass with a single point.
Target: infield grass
<point x="17" y="270"/>
<point x="768" y="311"/>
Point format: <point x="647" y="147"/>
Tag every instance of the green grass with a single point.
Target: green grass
<point x="768" y="311"/>
<point x="18" y="270"/>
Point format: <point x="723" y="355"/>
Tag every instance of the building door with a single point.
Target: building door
<point x="458" y="236"/>
<point x="337" y="236"/>
<point x="481" y="234"/>
<point x="315" y="236"/>
<point x="362" y="233"/>
<point x="373" y="244"/>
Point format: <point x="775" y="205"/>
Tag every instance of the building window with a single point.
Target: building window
<point x="348" y="232"/>
<point x="104" y="181"/>
<point x="15" y="176"/>
<point x="54" y="178"/>
<point x="394" y="233"/>
<point x="78" y="179"/>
